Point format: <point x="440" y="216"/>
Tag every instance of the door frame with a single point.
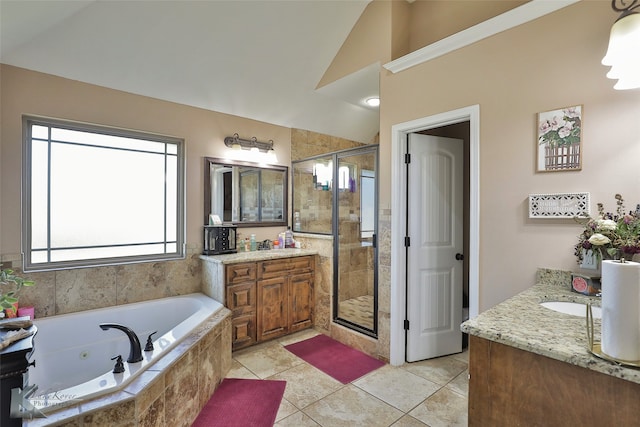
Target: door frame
<point x="399" y="218"/>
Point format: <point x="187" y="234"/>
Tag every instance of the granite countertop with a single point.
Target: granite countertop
<point x="521" y="322"/>
<point x="257" y="255"/>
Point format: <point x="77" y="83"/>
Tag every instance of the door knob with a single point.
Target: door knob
<point x="459" y="257"/>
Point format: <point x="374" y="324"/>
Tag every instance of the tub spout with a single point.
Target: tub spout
<point x="135" y="353"/>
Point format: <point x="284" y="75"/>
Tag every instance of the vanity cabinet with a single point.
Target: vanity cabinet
<point x="270" y="298"/>
<point x="513" y="387"/>
<point x="285" y="296"/>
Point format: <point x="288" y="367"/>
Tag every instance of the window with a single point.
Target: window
<point x="367" y="203"/>
<point x="95" y="195"/>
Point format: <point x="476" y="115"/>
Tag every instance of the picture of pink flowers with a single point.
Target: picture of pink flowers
<point x="559" y="139"/>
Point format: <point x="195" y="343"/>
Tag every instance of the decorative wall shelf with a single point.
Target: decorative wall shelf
<point x="559" y="205"/>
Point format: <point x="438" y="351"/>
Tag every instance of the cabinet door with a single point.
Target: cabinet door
<point x="301" y="301"/>
<point x="243" y="331"/>
<point x="241" y="298"/>
<point x="272" y="309"/>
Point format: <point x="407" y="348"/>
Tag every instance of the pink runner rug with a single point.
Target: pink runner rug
<point x="341" y="362"/>
<point x="242" y="403"/>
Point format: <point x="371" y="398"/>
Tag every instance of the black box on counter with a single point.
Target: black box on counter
<point x="219" y="239"/>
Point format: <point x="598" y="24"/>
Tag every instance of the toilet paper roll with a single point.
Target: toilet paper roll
<point x="621" y="310"/>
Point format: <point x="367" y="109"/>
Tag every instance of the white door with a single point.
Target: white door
<point x="435" y="227"/>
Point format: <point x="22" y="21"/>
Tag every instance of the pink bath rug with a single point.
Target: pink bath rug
<point x="242" y="403"/>
<point x="341" y="362"/>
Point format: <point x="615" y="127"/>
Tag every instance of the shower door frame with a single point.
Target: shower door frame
<point x="374" y="149"/>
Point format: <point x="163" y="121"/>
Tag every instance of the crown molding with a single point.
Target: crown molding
<point x="512" y="18"/>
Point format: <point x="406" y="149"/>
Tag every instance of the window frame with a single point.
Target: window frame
<point x="28" y="121"/>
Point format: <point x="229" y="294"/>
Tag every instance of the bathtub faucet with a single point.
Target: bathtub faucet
<point x="135" y="353"/>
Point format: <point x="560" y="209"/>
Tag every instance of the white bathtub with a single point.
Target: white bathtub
<point x="73" y="355"/>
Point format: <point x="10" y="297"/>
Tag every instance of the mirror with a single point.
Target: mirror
<point x="244" y="193"/>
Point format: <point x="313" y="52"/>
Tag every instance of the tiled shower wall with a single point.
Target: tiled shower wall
<point x="72" y="290"/>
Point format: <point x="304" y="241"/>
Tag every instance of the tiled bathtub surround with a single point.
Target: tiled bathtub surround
<point x="73" y="290"/>
<point x="170" y="393"/>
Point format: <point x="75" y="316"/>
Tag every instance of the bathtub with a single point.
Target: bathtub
<point x="73" y="355"/>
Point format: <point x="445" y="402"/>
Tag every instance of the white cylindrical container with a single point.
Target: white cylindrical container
<point x="621" y="310"/>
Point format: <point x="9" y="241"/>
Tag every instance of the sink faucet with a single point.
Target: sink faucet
<point x="135" y="353"/>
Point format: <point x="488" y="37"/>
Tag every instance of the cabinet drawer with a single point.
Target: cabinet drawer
<point x="284" y="267"/>
<point x="302" y="263"/>
<point x="243" y="331"/>
<point x="237" y="273"/>
<point x="241" y="298"/>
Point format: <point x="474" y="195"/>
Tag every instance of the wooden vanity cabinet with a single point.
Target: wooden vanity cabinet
<point x="269" y="299"/>
<point x="509" y="386"/>
<point x="285" y="296"/>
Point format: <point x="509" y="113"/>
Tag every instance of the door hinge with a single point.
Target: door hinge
<point x="407" y="241"/>
<point x="407" y="157"/>
<point x="406" y="324"/>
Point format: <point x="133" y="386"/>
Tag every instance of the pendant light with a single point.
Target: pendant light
<point x="623" y="53"/>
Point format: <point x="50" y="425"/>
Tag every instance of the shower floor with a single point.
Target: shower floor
<point x="358" y="310"/>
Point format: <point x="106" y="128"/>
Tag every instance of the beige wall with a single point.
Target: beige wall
<point x="27" y="92"/>
<point x="368" y="42"/>
<point x="551" y="62"/>
<point x="433" y="20"/>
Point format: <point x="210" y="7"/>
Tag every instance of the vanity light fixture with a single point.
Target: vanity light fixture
<point x="623" y="53"/>
<point x="237" y="143"/>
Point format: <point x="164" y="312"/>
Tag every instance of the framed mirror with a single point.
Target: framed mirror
<point x="244" y="193"/>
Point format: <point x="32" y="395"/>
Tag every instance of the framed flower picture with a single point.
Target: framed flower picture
<point x="559" y="142"/>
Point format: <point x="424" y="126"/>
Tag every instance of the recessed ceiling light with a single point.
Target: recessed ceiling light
<point x="373" y="101"/>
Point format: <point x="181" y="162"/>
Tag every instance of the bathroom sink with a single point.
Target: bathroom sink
<point x="572" y="308"/>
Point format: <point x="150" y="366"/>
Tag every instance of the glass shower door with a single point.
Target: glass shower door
<point x="355" y="248"/>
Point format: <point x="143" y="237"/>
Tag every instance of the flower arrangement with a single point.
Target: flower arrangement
<point x="611" y="236"/>
<point x="563" y="130"/>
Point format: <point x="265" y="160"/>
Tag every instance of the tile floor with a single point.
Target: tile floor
<point x="429" y="393"/>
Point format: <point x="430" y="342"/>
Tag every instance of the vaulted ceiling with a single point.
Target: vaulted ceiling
<point x="259" y="59"/>
<point x="256" y="59"/>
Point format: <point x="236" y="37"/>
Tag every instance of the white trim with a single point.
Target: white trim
<point x="512" y="18"/>
<point x="398" y="217"/>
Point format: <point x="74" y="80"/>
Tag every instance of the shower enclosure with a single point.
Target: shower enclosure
<point x="337" y="194"/>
